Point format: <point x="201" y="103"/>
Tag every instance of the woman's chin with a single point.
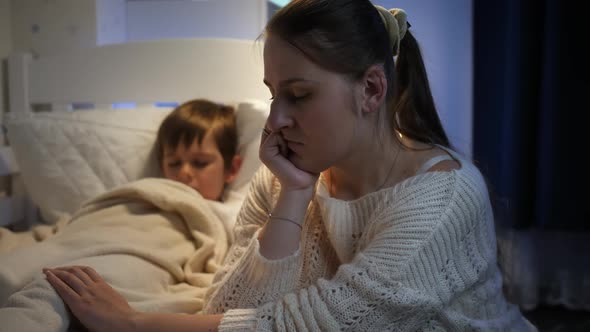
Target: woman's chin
<point x="306" y="165"/>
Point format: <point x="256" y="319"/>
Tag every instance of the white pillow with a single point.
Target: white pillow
<point x="66" y="158"/>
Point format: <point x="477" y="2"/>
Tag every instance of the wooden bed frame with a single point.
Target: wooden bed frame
<point x="142" y="73"/>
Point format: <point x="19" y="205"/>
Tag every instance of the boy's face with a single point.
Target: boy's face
<point x="199" y="166"/>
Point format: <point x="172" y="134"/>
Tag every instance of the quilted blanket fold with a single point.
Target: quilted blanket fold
<point x="156" y="241"/>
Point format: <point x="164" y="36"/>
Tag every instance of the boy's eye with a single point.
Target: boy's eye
<point x="173" y="164"/>
<point x="200" y="164"/>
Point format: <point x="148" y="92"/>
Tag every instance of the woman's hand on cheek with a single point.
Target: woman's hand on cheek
<point x="94" y="302"/>
<point x="274" y="154"/>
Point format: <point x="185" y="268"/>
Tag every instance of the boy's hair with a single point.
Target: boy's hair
<point x="193" y="120"/>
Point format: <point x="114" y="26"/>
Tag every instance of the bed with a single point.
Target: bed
<point x="147" y="76"/>
<point x="80" y="131"/>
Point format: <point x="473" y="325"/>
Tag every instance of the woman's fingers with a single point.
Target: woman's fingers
<point x="275" y="154"/>
<point x="92" y="273"/>
<point x="62" y="288"/>
<point x="283" y="149"/>
<point x="272" y="144"/>
<point x="76" y="278"/>
<point x="265" y="133"/>
<point x="80" y="272"/>
<point x="94" y="302"/>
<point x="72" y="280"/>
<point x="89" y="272"/>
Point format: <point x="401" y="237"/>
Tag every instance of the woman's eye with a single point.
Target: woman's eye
<point x="294" y="99"/>
<point x="290" y="97"/>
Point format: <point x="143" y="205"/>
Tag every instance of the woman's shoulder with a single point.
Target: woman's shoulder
<point x="463" y="186"/>
<point x="438" y="202"/>
<point x="469" y="179"/>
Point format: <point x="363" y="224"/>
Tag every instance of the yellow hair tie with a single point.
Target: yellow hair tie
<point x="396" y="23"/>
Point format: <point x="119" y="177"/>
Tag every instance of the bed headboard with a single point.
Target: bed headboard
<point x="136" y="74"/>
<point x="142" y="72"/>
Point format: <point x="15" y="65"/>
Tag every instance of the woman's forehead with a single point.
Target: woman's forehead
<point x="285" y="62"/>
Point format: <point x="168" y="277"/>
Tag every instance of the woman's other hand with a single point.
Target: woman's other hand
<point x="94" y="302"/>
<point x="274" y="153"/>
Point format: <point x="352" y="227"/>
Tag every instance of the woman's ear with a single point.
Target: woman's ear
<point x="232" y="172"/>
<point x="374" y="88"/>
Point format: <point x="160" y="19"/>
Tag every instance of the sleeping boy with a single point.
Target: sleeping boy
<point x="157" y="241"/>
<point x="197" y="145"/>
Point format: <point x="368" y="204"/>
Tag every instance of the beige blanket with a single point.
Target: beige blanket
<point x="156" y="241"/>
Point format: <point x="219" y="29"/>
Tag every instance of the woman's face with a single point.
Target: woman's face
<point x="314" y="109"/>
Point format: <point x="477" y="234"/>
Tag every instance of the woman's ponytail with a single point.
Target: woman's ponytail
<point x="414" y="113"/>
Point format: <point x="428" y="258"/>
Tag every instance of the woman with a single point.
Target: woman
<point x="364" y="218"/>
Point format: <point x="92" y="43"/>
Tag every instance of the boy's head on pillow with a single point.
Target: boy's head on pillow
<point x="197" y="145"/>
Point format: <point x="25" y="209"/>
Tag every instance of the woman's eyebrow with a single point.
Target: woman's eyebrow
<point x="291" y="81"/>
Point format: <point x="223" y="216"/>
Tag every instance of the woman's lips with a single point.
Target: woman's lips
<point x="293" y="143"/>
<point x="292" y="140"/>
<point x="294" y="146"/>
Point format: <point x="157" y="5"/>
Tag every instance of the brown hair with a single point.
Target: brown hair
<point x="347" y="37"/>
<point x="192" y="120"/>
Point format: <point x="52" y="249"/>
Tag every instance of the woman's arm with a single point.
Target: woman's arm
<point x="245" y="269"/>
<point x="100" y="308"/>
<point x="402" y="278"/>
<point x="157" y="322"/>
<point x="281" y="234"/>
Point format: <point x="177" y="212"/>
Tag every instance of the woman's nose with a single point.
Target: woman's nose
<point x="279" y="116"/>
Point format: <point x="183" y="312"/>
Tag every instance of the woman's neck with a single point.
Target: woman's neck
<point x="370" y="168"/>
<point x="380" y="164"/>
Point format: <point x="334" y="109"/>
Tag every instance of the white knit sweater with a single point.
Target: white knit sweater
<point x="420" y="256"/>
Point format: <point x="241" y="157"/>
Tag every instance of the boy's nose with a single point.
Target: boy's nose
<point x="186" y="174"/>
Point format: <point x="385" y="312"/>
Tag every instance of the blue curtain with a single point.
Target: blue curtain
<point x="531" y="105"/>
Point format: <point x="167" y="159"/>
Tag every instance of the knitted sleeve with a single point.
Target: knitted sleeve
<point x="411" y="261"/>
<point x="245" y="272"/>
